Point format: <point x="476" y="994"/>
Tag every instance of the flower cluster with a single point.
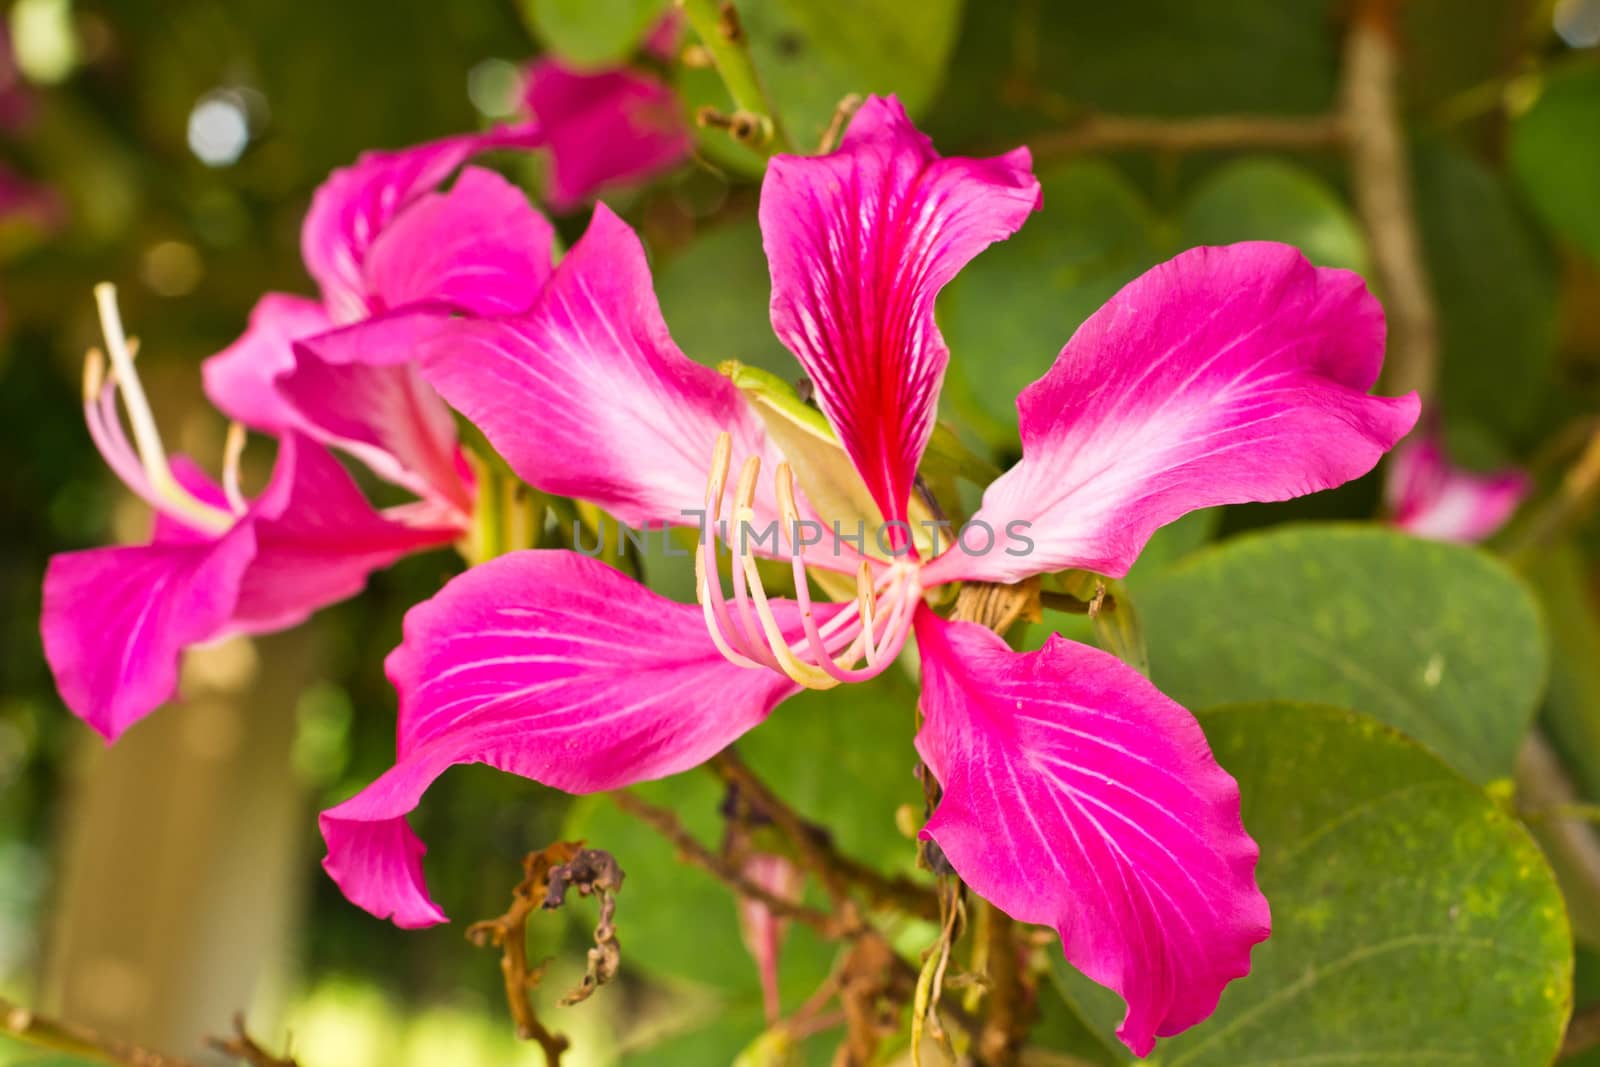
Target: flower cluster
<point x="1074" y="794"/>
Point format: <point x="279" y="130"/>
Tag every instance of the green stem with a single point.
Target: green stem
<point x="719" y="29"/>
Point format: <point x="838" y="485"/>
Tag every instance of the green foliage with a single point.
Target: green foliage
<point x="714" y="296"/>
<point x="813" y="53"/>
<point x="1496" y="288"/>
<point x="591" y="33"/>
<point x="1559" y="168"/>
<point x="1261" y="198"/>
<point x="1007" y="315"/>
<point x="1439" y="641"/>
<point x="1413" y="920"/>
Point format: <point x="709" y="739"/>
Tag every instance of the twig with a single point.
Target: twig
<point x="1565" y="508"/>
<point x="755" y="121"/>
<point x="692" y="851"/>
<point x="241" y="1046"/>
<point x="509" y="933"/>
<point x="1544" y="785"/>
<point x="1107" y="133"/>
<point x="30" y="1027"/>
<point x="1006" y="1019"/>
<point x="591" y="872"/>
<point x="1381" y="179"/>
<point x="835" y="870"/>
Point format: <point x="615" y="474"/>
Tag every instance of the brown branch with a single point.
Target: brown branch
<point x="509" y="933"/>
<point x="836" y="871"/>
<point x="692" y="851"/>
<point x="1007" y="1017"/>
<point x="31" y="1028"/>
<point x="1381" y="178"/>
<point x="241" y="1046"/>
<point x="1109" y="133"/>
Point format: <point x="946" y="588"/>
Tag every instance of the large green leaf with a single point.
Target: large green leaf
<point x="714" y="295"/>
<point x="1414" y="921"/>
<point x="1496" y="287"/>
<point x="810" y="54"/>
<point x="1267" y="199"/>
<point x="592" y="33"/>
<point x="1560" y="171"/>
<point x="1440" y="641"/>
<point x="1007" y="314"/>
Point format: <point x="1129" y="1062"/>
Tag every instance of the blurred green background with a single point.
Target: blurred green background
<point x="172" y="147"/>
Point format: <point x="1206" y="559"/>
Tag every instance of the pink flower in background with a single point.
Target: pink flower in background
<point x="1075" y="794"/>
<point x="116" y="620"/>
<point x="387" y="247"/>
<point x="399" y="256"/>
<point x="610" y="127"/>
<point x="1430" y="497"/>
<point x="763" y="933"/>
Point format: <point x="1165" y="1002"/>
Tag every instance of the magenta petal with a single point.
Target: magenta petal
<point x="357" y="202"/>
<point x="317" y="539"/>
<point x="242" y="379"/>
<point x="116" y="620"/>
<point x="1431" y="497"/>
<point x="1077" y="796"/>
<point x="587" y="396"/>
<point x="1224" y="375"/>
<point x="359" y="390"/>
<point x="610" y="128"/>
<point x="552" y="666"/>
<point x="860" y="242"/>
<point x="480" y="248"/>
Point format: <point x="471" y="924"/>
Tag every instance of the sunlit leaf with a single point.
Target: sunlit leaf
<point x="1441" y="641"/>
<point x="1414" y="921"/>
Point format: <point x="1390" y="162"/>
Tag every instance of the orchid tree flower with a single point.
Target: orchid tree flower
<point x="388" y="250"/>
<point x="1074" y="794"/>
<point x="606" y="128"/>
<point x="116" y="620"/>
<point x="1431" y="497"/>
<point x="388" y="247"/>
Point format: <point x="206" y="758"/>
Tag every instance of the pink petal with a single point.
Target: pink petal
<point x="359" y="389"/>
<point x="116" y="620"/>
<point x="1077" y="796"/>
<point x="552" y="666"/>
<point x="317" y="539"/>
<point x="242" y="379"/>
<point x="356" y="203"/>
<point x="1430" y="497"/>
<point x="763" y="932"/>
<point x="587" y="396"/>
<point x="860" y="242"/>
<point x="480" y="248"/>
<point x="611" y="128"/>
<point x="1224" y="375"/>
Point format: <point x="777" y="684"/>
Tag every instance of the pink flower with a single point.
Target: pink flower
<point x="763" y="932"/>
<point x="116" y="620"/>
<point x="1430" y="497"/>
<point x="1075" y="794"/>
<point x="389" y="251"/>
<point x="610" y="127"/>
<point x="393" y="252"/>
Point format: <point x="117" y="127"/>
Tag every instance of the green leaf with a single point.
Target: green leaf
<point x="1007" y="314"/>
<point x="1560" y="171"/>
<point x="1440" y="641"/>
<point x="843" y="759"/>
<point x="591" y="33"/>
<point x="714" y="296"/>
<point x="810" y="54"/>
<point x="1496" y="287"/>
<point x="1267" y="199"/>
<point x="1414" y="921"/>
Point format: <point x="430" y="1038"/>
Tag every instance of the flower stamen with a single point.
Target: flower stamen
<point x="143" y="465"/>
